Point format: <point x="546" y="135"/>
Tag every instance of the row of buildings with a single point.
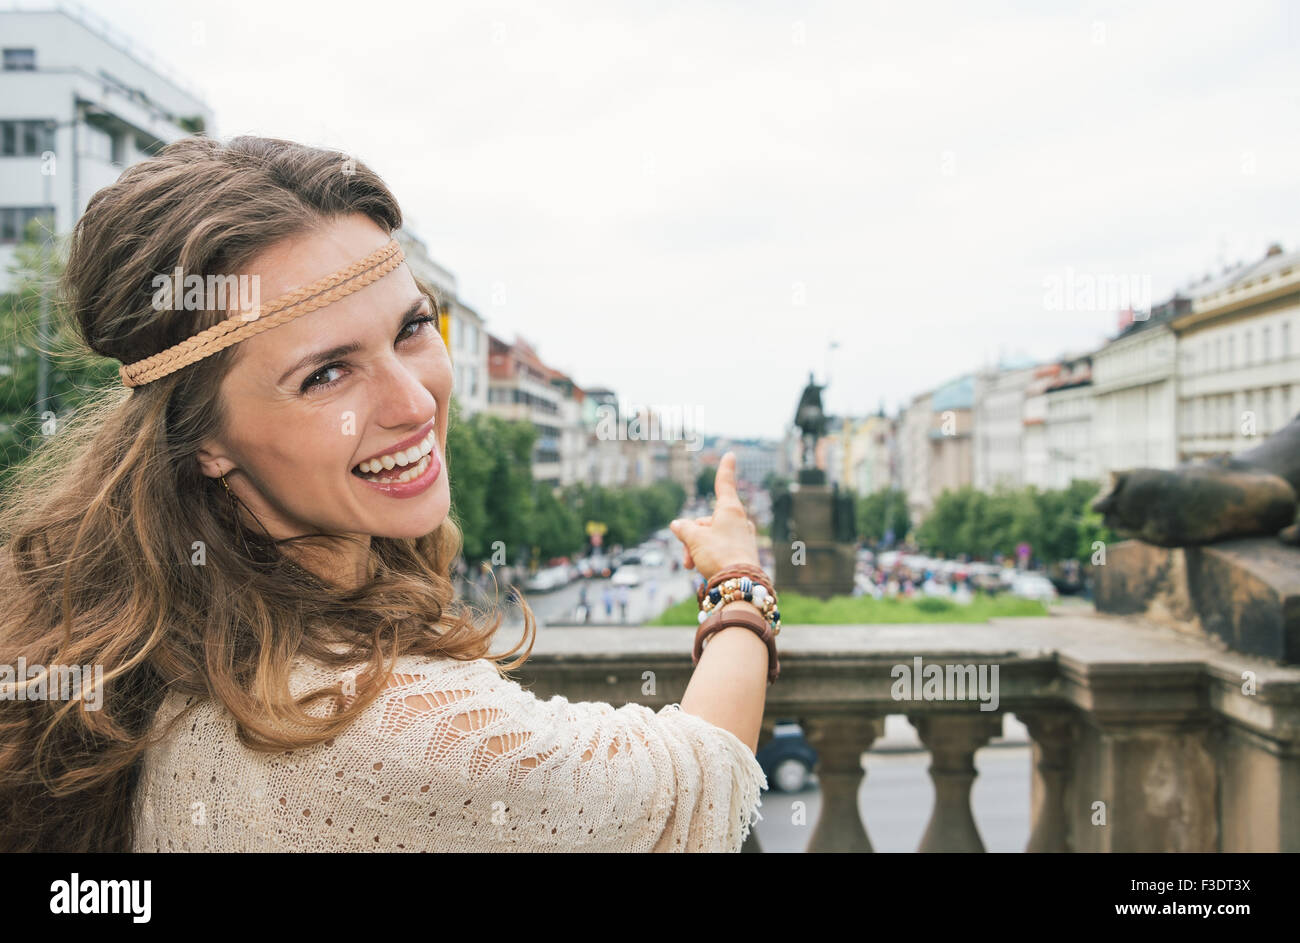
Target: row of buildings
<point x="79" y="102"/>
<point x="1211" y="371"/>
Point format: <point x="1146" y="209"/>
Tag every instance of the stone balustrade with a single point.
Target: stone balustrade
<point x="1144" y="739"/>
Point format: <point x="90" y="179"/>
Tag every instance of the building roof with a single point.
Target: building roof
<point x="958" y="394"/>
<point x="1159" y="315"/>
<point x="1275" y="275"/>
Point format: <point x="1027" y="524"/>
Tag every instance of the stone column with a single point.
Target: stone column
<point x="1051" y="732"/>
<point x="840" y="740"/>
<point x="952" y="740"/>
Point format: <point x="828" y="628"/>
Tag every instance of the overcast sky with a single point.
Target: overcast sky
<point x="686" y="202"/>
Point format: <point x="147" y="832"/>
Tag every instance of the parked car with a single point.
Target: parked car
<point x="547" y="579"/>
<point x="629" y="574"/>
<point x="653" y="558"/>
<point x="787" y="759"/>
<point x="1033" y="586"/>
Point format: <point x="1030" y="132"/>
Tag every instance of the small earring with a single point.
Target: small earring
<point x="224" y="485"/>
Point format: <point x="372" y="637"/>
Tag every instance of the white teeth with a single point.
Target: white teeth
<point x="413" y="471"/>
<point x="403" y="458"/>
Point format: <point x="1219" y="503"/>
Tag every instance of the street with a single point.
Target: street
<point x="559" y="607"/>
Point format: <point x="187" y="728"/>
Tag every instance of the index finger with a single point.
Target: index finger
<point x="724" y="483"/>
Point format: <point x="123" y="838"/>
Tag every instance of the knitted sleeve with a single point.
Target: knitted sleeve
<point x="454" y="757"/>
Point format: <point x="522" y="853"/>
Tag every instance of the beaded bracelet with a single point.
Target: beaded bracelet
<point x="743" y="588"/>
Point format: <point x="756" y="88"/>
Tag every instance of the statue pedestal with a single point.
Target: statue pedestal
<point x="814" y="563"/>
<point x="1243" y="593"/>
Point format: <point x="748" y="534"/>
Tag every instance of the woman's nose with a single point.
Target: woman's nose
<point x="404" y="397"/>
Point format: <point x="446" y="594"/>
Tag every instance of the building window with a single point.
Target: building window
<point x="1285" y="331"/>
<point x="14" y="220"/>
<point x="1265" y="343"/>
<point x="1232" y="351"/>
<point x="26" y="138"/>
<point x="1250" y="349"/>
<point x="20" y="60"/>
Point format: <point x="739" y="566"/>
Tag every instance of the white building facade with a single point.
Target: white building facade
<point x="998" y="428"/>
<point x="1238" y="369"/>
<point x="914" y="455"/>
<point x="78" y="105"/>
<point x="1068" y="427"/>
<point x="1134" y="388"/>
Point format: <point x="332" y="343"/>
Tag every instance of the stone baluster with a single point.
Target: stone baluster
<point x="952" y="740"/>
<point x="840" y="740"/>
<point x="1051" y="732"/>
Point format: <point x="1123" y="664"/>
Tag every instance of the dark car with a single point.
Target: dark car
<point x="787" y="759"/>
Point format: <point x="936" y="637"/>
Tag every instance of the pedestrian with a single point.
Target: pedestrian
<point x="607" y="597"/>
<point x="623" y="595"/>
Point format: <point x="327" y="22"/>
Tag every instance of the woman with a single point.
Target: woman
<point x="284" y="664"/>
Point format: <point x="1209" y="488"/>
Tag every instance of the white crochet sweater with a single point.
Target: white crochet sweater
<point x="452" y="757"/>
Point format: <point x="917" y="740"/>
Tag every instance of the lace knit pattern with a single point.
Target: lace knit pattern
<point x="452" y="757"/>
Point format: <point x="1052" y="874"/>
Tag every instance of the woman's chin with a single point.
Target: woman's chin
<point x="413" y="518"/>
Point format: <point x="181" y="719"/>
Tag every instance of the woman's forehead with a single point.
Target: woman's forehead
<point x="306" y="257"/>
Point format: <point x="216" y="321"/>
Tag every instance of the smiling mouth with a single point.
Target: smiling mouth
<point x="401" y="465"/>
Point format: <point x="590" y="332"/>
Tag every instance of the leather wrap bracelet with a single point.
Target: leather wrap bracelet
<point x="739" y="615"/>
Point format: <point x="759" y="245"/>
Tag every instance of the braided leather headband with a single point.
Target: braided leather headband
<point x="295" y="304"/>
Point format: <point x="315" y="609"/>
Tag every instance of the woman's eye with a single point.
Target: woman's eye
<point x="317" y="380"/>
<point x="417" y="323"/>
<point x="314" y="381"/>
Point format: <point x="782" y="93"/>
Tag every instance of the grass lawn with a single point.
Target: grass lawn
<point x="864" y="610"/>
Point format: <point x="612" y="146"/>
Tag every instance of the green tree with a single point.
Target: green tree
<point x="882" y="511"/>
<point x="1056" y="524"/>
<point x="704" y="481"/>
<point x="557" y="531"/>
<point x="469" y="470"/>
<point x="75" y="372"/>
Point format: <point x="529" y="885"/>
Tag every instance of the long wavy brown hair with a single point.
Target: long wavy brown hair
<point x="99" y="524"/>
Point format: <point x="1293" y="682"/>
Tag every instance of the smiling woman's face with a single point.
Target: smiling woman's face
<point x="364" y="378"/>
